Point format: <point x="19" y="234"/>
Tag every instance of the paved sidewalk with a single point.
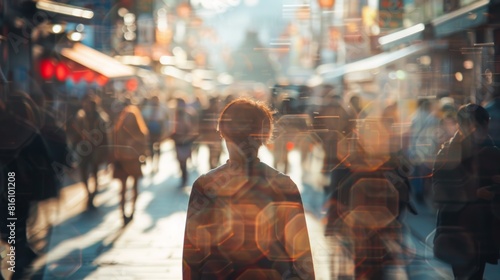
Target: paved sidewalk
<point x="95" y="245"/>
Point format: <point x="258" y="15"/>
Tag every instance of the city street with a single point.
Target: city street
<point x="94" y="244"/>
<point x="349" y="84"/>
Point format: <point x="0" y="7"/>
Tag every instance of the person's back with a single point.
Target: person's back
<point x="245" y="219"/>
<point x="242" y="222"/>
<point x="89" y="130"/>
<point x="333" y="123"/>
<point x="130" y="150"/>
<point x="130" y="136"/>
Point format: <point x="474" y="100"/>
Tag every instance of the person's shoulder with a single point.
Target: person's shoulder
<point x="212" y="175"/>
<point x="278" y="180"/>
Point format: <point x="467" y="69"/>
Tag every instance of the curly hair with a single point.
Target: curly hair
<point x="245" y="119"/>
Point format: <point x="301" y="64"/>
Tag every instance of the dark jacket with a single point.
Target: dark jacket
<point x="461" y="168"/>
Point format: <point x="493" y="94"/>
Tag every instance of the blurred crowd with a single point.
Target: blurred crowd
<point x="376" y="166"/>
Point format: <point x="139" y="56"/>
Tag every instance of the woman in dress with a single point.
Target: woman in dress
<point x="130" y="151"/>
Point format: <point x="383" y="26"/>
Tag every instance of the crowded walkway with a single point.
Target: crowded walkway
<point x="94" y="244"/>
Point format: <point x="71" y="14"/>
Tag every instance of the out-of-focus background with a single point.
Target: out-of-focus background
<point x="340" y="75"/>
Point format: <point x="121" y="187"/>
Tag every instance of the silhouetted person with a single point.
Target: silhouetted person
<point x="208" y="131"/>
<point x="369" y="194"/>
<point x="246" y="219"/>
<point x="88" y="135"/>
<point x="423" y="146"/>
<point x="333" y="123"/>
<point x="130" y="151"/>
<point x="250" y="65"/>
<point x="292" y="128"/>
<point x="365" y="208"/>
<point x="357" y="107"/>
<point x="156" y="117"/>
<point x="184" y="134"/>
<point x="26" y="176"/>
<point x="466" y="186"/>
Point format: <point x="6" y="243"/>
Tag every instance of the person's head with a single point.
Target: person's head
<point x="424" y="104"/>
<point x="244" y="120"/>
<point x="181" y="105"/>
<point x="472" y="118"/>
<point x="155" y="100"/>
<point x="90" y="102"/>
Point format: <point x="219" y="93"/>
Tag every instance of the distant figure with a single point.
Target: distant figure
<point x="466" y="188"/>
<point x="156" y="117"/>
<point x="250" y="65"/>
<point x="356" y="106"/>
<point x="245" y="219"/>
<point x="88" y="135"/>
<point x="208" y="131"/>
<point x="367" y="200"/>
<point x="448" y="122"/>
<point x="130" y="151"/>
<point x="291" y="130"/>
<point x="333" y="123"/>
<point x="184" y="134"/>
<point x="423" y="146"/>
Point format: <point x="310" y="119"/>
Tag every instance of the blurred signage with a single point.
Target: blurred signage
<point x="98" y="33"/>
<point x="391" y="13"/>
<point x="353" y="31"/>
<point x="100" y="7"/>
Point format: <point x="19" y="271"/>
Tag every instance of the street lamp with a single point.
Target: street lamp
<point x="323" y="5"/>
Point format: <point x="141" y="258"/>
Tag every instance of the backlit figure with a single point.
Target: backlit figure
<point x="245" y="219"/>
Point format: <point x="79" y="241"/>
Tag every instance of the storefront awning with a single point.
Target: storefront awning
<point x="402" y="37"/>
<point x="469" y="16"/>
<point x="362" y="70"/>
<point x="97" y="61"/>
<point x="64" y="12"/>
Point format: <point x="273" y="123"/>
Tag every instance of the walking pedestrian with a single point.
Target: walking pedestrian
<point x="466" y="189"/>
<point x="184" y="134"/>
<point x="245" y="219"/>
<point x="89" y="138"/>
<point x="208" y="131"/>
<point x="156" y="116"/>
<point x="130" y="151"/>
